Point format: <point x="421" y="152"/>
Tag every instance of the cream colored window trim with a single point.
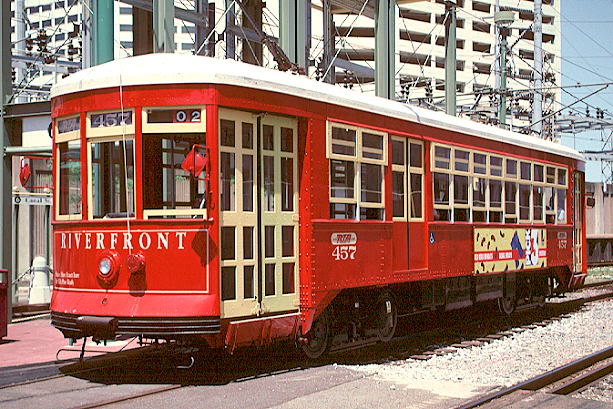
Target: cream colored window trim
<point x="128" y="137"/>
<point x="362" y="149"/>
<point x="175" y="127"/>
<point x="498" y="167"/>
<point x="358" y="182"/>
<point x="434" y="158"/>
<point x="565" y="177"/>
<point x="329" y="143"/>
<point x="409" y="209"/>
<point x="505" y="173"/>
<point x="406" y="199"/>
<point x="530" y="204"/>
<point x="343" y="200"/>
<point x="405" y="182"/>
<point x="455" y="159"/>
<point x="489" y="196"/>
<point x="105" y="131"/>
<point x="547" y="181"/>
<point x="66" y="136"/>
<point x="147" y="213"/>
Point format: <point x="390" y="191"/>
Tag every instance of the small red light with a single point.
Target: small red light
<point x="135" y="263"/>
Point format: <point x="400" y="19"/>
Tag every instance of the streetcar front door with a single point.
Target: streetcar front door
<point x="258" y="213"/>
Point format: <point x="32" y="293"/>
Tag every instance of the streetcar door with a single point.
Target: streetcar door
<point x="258" y="203"/>
<point x="238" y="213"/>
<point x="578" y="220"/>
<point x="279" y="214"/>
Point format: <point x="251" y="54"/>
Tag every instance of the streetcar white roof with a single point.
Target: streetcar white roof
<point x="189" y="69"/>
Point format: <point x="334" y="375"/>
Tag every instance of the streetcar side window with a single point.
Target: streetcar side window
<point x="416" y="179"/>
<point x="356" y="158"/>
<point x="69" y="175"/>
<point x="68" y="172"/>
<point x="399" y="182"/>
<point x="407" y="179"/>
<point x="479" y="187"/>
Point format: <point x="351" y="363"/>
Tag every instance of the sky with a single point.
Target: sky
<point x="587" y="57"/>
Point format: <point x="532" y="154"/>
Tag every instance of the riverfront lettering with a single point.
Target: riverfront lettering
<point x="124" y="241"/>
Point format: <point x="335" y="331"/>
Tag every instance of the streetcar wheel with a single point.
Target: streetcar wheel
<point x="506" y="305"/>
<point x="318" y="338"/>
<point x="388" y="316"/>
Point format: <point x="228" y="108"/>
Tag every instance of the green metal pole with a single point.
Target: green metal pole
<point x="163" y="26"/>
<point x="287" y="28"/>
<point x="6" y="90"/>
<point x="104" y="38"/>
<point x="502" y="108"/>
<point x="293" y="29"/>
<point x="450" y="58"/>
<point x="385" y="48"/>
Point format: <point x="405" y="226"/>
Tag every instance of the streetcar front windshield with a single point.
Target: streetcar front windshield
<point x="166" y="185"/>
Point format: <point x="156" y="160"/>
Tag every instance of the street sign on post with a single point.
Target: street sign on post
<point x="32" y="200"/>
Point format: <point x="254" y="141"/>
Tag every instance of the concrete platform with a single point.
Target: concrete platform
<point x="36" y="341"/>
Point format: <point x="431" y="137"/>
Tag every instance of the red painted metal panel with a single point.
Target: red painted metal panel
<point x="559" y="246"/>
<point x="177" y="258"/>
<point x="261" y="331"/>
<point x="450" y="249"/>
<point x="363" y="257"/>
<point x="418" y="245"/>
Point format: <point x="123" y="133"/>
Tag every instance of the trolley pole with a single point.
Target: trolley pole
<point x="537" y="105"/>
<point x="450" y="57"/>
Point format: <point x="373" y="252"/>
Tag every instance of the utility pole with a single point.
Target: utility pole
<point x="450" y="57"/>
<point x="6" y="196"/>
<point x="385" y="48"/>
<point x="104" y="31"/>
<point x="537" y="105"/>
<point x="163" y="26"/>
<point x="497" y="48"/>
<point x="329" y="43"/>
<point x="503" y="19"/>
<point x="20" y="31"/>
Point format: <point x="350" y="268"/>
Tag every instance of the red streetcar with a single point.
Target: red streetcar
<point x="209" y="200"/>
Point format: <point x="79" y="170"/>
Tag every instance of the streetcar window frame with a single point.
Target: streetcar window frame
<point x="173" y="130"/>
<point x="60" y="139"/>
<point x="350" y="138"/>
<point x="110" y="134"/>
<point x="173" y="127"/>
<point x="410" y="167"/>
<point x="529" y="185"/>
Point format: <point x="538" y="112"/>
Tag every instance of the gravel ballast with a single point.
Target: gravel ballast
<point x="506" y="361"/>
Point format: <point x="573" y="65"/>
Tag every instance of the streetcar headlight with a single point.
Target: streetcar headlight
<point x="105" y="266"/>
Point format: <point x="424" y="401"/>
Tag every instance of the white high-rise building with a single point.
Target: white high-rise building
<point x="420" y="48"/>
